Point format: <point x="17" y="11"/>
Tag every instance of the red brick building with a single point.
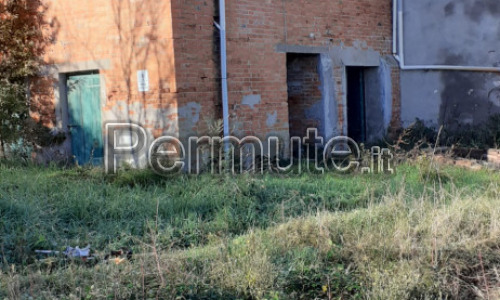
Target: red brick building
<point x="292" y="64"/>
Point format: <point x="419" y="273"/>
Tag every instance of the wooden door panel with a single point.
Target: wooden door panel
<point x="85" y="118"/>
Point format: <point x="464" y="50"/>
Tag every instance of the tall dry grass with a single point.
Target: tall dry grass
<point x="426" y="233"/>
<point x="431" y="248"/>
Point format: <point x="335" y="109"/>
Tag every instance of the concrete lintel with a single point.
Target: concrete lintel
<point x="59" y="73"/>
<point x="284" y="48"/>
<point x="342" y="56"/>
<point x="55" y="69"/>
<point x="349" y="56"/>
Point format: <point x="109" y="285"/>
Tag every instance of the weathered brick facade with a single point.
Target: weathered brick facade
<point x="177" y="42"/>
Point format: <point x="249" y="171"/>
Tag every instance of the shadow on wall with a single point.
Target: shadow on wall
<point x="143" y="47"/>
<point x="468" y="98"/>
<point x="137" y="38"/>
<point x="136" y="43"/>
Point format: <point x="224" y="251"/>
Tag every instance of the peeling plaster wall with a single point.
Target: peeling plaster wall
<point x="458" y="32"/>
<point x="451" y="32"/>
<point x="329" y="101"/>
<point x="378" y="90"/>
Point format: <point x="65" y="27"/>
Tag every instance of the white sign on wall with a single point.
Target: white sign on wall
<point x="143" y="80"/>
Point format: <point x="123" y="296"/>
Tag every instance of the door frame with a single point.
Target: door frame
<point x="62" y="106"/>
<point x="57" y="74"/>
<point x="66" y="76"/>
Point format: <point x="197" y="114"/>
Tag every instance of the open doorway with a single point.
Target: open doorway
<point x="356" y="103"/>
<point x="305" y="107"/>
<point x="304" y="93"/>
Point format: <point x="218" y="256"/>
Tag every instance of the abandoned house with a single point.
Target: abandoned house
<point x="291" y="65"/>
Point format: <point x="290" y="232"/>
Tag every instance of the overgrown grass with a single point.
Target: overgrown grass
<point x="422" y="233"/>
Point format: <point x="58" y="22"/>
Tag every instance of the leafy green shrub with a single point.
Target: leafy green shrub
<point x="22" y="46"/>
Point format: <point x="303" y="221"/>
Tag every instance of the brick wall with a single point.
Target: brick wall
<point x="256" y="27"/>
<point x="197" y="63"/>
<point x="175" y="40"/>
<point x="303" y="93"/>
<point x="255" y="67"/>
<point x="128" y="35"/>
<point x="396" y="102"/>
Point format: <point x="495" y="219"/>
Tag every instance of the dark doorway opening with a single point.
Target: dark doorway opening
<point x="356" y="104"/>
<point x="304" y="94"/>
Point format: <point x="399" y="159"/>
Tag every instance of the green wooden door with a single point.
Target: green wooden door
<point x="84" y="108"/>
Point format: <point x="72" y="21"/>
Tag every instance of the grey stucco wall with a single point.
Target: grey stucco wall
<point x="451" y="32"/>
<point x="458" y="32"/>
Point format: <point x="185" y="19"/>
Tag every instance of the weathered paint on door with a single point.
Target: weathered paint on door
<point x="84" y="108"/>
